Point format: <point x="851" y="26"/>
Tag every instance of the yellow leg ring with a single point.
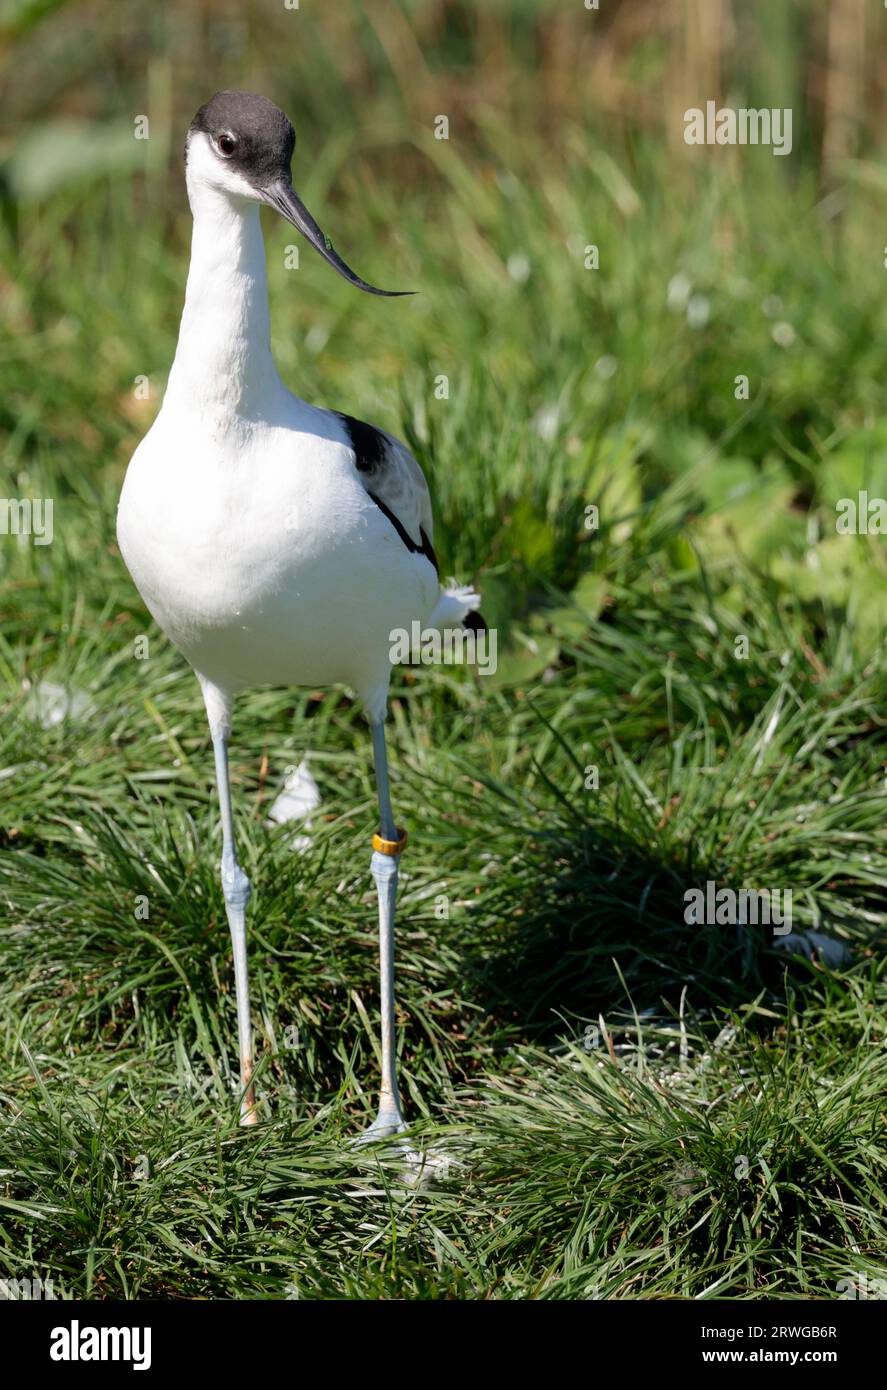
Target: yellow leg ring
<point x="390" y="847"/>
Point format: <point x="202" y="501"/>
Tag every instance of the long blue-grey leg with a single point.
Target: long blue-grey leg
<point x="387" y="847"/>
<point x="236" y="889"/>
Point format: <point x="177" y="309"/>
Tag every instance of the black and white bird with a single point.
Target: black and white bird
<point x="275" y="542"/>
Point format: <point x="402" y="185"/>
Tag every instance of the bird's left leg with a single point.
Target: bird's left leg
<point x="387" y="846"/>
<point x="236" y="888"/>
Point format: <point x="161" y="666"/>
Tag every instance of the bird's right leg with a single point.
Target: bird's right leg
<point x="236" y="889"/>
<point x="387" y="846"/>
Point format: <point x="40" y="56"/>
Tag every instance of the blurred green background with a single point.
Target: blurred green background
<point x="693" y="690"/>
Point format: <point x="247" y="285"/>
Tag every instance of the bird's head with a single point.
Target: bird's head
<point x="241" y="145"/>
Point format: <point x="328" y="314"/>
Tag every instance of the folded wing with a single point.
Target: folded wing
<point x="395" y="482"/>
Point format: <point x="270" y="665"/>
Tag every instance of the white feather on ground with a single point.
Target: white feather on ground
<point x="299" y="798"/>
<point x="49" y="704"/>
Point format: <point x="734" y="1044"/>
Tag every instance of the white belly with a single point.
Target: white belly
<point x="260" y="555"/>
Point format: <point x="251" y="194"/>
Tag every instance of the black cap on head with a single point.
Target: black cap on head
<point x="251" y="133"/>
<point x="253" y="136"/>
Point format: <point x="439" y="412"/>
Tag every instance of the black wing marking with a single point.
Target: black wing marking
<point x="426" y="548"/>
<point x="374" y="456"/>
<point x="474" y="622"/>
<point x="369" y="444"/>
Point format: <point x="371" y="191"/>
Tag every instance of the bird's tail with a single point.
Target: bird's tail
<point x="457" y="607"/>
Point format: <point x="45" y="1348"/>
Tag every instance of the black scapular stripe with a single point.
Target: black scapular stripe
<point x="426" y="548"/>
<point x="370" y="447"/>
<point x="369" y="444"/>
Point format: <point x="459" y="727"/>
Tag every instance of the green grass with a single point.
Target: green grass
<point x="615" y="1103"/>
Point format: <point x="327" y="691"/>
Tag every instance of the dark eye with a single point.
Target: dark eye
<point x="227" y="143"/>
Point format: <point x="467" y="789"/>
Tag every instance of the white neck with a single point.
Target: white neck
<point x="223" y="361"/>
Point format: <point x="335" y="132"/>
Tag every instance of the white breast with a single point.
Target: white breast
<point x="260" y="555"/>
